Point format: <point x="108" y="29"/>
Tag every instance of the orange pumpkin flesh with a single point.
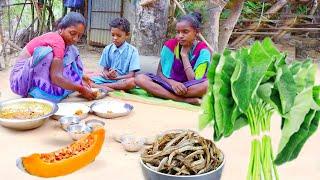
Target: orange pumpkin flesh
<point x="68" y="159"/>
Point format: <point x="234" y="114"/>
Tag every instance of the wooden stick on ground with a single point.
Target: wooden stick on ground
<point x="200" y="35"/>
<point x="287" y="24"/>
<point x="271" y="12"/>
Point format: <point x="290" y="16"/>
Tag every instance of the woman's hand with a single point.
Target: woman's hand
<point x="185" y="53"/>
<point x="178" y="88"/>
<point x="88" y="93"/>
<point x="86" y="81"/>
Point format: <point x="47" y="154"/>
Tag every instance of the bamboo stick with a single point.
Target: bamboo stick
<point x="15" y="32"/>
<point x="285" y="28"/>
<point x="2" y="42"/>
<point x="254" y="33"/>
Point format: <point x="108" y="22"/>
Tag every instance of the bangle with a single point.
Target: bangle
<point x="187" y="68"/>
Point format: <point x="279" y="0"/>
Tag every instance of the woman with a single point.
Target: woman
<point x="49" y="66"/>
<point x="182" y="69"/>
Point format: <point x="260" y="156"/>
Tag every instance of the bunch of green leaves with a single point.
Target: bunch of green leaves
<point x="236" y="77"/>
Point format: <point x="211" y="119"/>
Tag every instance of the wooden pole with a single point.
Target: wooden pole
<point x="43" y="14"/>
<point x="32" y="27"/>
<point x="3" y="64"/>
<point x="15" y="32"/>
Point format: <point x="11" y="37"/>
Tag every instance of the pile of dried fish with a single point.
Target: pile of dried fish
<point x="182" y="153"/>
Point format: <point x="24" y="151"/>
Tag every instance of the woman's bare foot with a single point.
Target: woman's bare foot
<point x="194" y="101"/>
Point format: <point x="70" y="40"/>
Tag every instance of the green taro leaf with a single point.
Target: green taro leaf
<point x="207" y="116"/>
<point x="249" y="74"/>
<point x="223" y="103"/>
<point x="296" y="116"/>
<point x="212" y="68"/>
<point x="286" y="87"/>
<point x="297" y="140"/>
<point x="304" y="76"/>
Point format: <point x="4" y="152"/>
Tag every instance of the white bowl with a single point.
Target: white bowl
<point x="70" y="109"/>
<point x="111" y="109"/>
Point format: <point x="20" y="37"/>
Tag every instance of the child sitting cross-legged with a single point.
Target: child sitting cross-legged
<point x="120" y="60"/>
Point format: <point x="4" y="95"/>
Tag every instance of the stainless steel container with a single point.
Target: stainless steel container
<point x="25" y="124"/>
<point x="150" y="174"/>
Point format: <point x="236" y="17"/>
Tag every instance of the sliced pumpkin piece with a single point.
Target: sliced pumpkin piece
<point x="66" y="160"/>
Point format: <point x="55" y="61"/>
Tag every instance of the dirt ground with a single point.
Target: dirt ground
<point x="146" y="120"/>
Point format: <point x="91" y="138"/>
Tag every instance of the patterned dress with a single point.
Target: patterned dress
<point x="31" y="76"/>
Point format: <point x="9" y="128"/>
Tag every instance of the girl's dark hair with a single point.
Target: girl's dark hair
<point x="121" y="23"/>
<point x="194" y="18"/>
<point x="70" y="19"/>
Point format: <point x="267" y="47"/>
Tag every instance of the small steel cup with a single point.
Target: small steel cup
<point x="76" y="131"/>
<point x="94" y="123"/>
<point x="66" y="121"/>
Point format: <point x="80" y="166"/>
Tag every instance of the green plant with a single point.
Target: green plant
<point x="246" y="86"/>
<point x="302" y="9"/>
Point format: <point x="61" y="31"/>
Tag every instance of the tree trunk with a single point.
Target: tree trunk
<point x="215" y="8"/>
<point x="272" y="11"/>
<point x="149" y="32"/>
<point x="228" y="26"/>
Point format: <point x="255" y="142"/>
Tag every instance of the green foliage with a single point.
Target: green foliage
<point x="237" y="79"/>
<point x="192" y="6"/>
<point x="254" y="9"/>
<point x="26" y="18"/>
<point x="302" y="9"/>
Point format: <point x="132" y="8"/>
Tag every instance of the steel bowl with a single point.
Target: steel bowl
<point x="150" y="174"/>
<point x="66" y="121"/>
<point x="104" y="109"/>
<point x="94" y="123"/>
<point x="26" y="124"/>
<point x="76" y="131"/>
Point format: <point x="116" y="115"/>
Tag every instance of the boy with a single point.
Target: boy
<point x="120" y="60"/>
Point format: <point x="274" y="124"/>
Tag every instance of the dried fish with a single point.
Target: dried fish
<point x="182" y="153"/>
